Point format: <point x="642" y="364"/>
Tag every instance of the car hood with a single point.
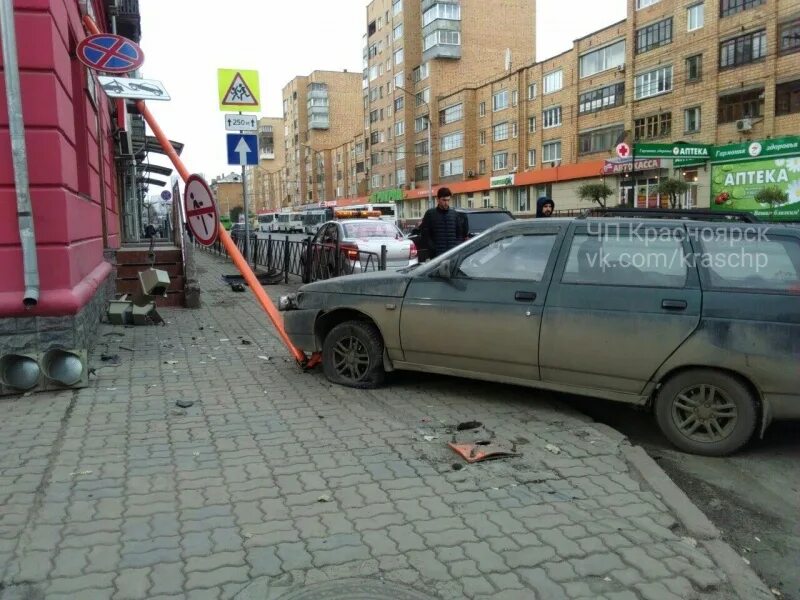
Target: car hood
<point x="379" y="283"/>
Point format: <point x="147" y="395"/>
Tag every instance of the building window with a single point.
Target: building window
<point x="645" y="3"/>
<point x="531" y="158"/>
<point x="599" y="140"/>
<point x="451" y="114"/>
<point x="731" y="7"/>
<point x="442" y="37"/>
<point x="482" y="167"/>
<point x="373" y="116"/>
<point x="421" y="148"/>
<point x="514" y="130"/>
<point x="482" y="109"/>
<point x="373" y="72"/>
<point x="400" y="128"/>
<point x="695" y="17"/>
<point x="397" y="7"/>
<point x="397" y="32"/>
<point x="451" y="12"/>
<point x="514" y="98"/>
<point x="553" y="81"/>
<point x="500" y="100"/>
<point x="694" y="68"/>
<point x="399" y="80"/>
<point x="600" y="99"/>
<point x="500" y="161"/>
<point x="691" y="120"/>
<point x="420" y="124"/>
<point x="375" y="182"/>
<point x="787" y="98"/>
<point x="653" y="127"/>
<point x="531" y="124"/>
<point x="551" y="117"/>
<point x="655" y="82"/>
<point x="551" y="152"/>
<point x="421" y="72"/>
<point x="500" y="132"/>
<point x="421" y="173"/>
<point x="789" y="37"/>
<point x="452" y="141"/>
<point x="743" y="50"/>
<point x="450" y="168"/>
<point x="423" y="97"/>
<point x="602" y="59"/>
<point x="400" y="176"/>
<point x="654" y="36"/>
<point x="482" y="137"/>
<point x="532" y="91"/>
<point x="398" y="56"/>
<point x="399" y="103"/>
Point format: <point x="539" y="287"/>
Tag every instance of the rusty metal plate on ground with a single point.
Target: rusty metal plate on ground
<point x="484" y="450"/>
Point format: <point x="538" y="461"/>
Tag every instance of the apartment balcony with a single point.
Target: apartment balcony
<point x="128" y="18"/>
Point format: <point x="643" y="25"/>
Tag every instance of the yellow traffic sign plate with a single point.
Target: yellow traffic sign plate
<point x="238" y="90"/>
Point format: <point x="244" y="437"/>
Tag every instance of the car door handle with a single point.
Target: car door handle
<point x="525" y="296"/>
<point x="674" y="304"/>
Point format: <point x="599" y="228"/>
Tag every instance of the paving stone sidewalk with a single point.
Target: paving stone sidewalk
<point x="274" y="476"/>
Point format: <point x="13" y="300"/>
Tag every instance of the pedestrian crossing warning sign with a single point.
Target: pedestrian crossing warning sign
<point x="238" y="90"/>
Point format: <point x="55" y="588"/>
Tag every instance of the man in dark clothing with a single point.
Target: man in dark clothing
<point x="442" y="228"/>
<point x="544" y="207"/>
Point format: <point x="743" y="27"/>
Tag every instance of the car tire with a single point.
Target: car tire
<point x="706" y="412"/>
<point x="352" y="355"/>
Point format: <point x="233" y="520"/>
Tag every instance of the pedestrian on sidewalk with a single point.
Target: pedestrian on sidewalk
<point x="442" y="227"/>
<point x="545" y="207"/>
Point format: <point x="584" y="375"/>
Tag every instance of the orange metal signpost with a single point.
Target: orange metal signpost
<point x="230" y="247"/>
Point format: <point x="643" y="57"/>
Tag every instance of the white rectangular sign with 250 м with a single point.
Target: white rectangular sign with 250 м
<point x="241" y="123"/>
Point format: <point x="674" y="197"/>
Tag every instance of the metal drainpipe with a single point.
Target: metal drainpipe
<point x="16" y="127"/>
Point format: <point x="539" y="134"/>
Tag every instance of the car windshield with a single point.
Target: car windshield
<point x="481" y="221"/>
<point x="376" y="229"/>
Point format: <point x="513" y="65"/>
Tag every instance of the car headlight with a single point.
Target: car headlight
<point x="288" y="302"/>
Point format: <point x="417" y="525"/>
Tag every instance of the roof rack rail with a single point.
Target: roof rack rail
<point x="675" y="213"/>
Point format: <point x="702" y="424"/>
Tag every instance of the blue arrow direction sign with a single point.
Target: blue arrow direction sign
<point x="242" y="149"/>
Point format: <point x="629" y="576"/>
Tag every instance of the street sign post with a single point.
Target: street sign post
<point x="241" y="123"/>
<point x="110" y="53"/>
<point x="238" y="90"/>
<point x="202" y="215"/>
<point x="134" y="89"/>
<point x="242" y="149"/>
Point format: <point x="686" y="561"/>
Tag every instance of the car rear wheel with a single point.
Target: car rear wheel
<point x="706" y="412"/>
<point x="352" y="355"/>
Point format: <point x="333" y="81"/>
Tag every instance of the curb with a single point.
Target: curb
<point x="743" y="579"/>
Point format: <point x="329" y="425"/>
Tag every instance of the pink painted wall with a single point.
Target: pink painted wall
<point x="64" y="158"/>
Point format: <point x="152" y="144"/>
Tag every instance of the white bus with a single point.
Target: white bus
<point x="289" y="222"/>
<point x="267" y="222"/>
<point x="388" y="210"/>
<point x="314" y="218"/>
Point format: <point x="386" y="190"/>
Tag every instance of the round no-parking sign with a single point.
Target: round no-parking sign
<point x="202" y="215"/>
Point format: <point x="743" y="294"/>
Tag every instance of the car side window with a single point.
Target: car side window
<point x="515" y="257"/>
<point x="628" y="259"/>
<point x="765" y="264"/>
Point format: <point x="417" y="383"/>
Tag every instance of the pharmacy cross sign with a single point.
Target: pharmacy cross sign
<point x="110" y="53"/>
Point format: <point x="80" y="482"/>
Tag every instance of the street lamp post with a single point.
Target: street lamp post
<point x="430" y="145"/>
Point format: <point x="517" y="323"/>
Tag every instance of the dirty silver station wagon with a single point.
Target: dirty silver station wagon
<point x="699" y="320"/>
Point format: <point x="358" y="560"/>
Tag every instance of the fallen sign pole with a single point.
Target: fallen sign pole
<point x="230" y="247"/>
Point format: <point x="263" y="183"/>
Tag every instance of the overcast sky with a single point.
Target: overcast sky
<point x="185" y="41"/>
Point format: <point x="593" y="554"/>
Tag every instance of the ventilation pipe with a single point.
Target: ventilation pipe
<point x="16" y="128"/>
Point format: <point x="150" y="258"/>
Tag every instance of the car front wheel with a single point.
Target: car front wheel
<point x="706" y="412"/>
<point x="352" y="355"/>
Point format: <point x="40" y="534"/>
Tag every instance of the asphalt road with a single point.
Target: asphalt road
<point x="752" y="497"/>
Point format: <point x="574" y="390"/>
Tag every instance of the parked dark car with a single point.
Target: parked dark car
<point x="478" y="221"/>
<point x="698" y="321"/>
<point x="237" y="231"/>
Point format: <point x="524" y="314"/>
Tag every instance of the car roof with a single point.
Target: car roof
<point x="482" y="210"/>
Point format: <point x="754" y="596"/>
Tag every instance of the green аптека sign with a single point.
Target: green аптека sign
<point x="679" y="151"/>
<point x="734" y="186"/>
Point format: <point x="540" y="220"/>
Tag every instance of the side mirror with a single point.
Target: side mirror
<point x="444" y="270"/>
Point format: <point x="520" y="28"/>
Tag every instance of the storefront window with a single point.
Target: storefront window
<point x="644" y="194"/>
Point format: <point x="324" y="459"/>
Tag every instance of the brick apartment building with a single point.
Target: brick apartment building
<point x="715" y="72"/>
<point x="266" y="182"/>
<point x="228" y="192"/>
<point x="322" y="112"/>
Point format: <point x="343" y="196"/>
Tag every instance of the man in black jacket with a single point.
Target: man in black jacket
<point x="544" y="207"/>
<point x="442" y="227"/>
